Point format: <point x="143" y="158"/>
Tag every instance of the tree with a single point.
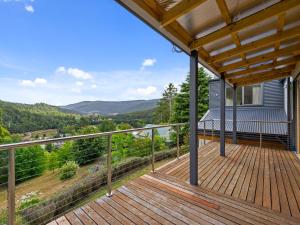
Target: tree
<point x="181" y="107"/>
<point x="164" y="110"/>
<point x="88" y="150"/>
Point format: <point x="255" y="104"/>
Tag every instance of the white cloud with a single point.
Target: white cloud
<point x="74" y="72"/>
<point x="146" y="91"/>
<point x="33" y="83"/>
<point x="93" y="86"/>
<point x="148" y="63"/>
<point x="29" y="8"/>
<point x="79" y="83"/>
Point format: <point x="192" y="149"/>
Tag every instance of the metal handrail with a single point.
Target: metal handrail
<point x="79" y="137"/>
<point x="260" y="129"/>
<point x="11" y="188"/>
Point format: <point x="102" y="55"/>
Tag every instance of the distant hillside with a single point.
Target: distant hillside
<point x="19" y="118"/>
<point x="111" y="107"/>
<point x="135" y="119"/>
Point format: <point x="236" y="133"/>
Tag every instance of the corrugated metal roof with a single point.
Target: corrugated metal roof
<point x="247" y="120"/>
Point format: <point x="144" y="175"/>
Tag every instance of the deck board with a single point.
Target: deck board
<point x="248" y="186"/>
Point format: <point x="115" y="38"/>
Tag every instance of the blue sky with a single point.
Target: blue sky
<point x="65" y="51"/>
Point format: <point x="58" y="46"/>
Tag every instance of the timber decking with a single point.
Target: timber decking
<point x="266" y="177"/>
<point x="162" y="199"/>
<point x="248" y="186"/>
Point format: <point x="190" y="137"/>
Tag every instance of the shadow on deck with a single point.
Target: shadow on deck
<point x="248" y="186"/>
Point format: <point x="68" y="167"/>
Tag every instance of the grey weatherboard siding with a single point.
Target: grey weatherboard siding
<point x="272" y="109"/>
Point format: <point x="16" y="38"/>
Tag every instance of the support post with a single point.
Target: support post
<point x="288" y="112"/>
<point x="152" y="150"/>
<point x="222" y="115"/>
<point x="234" y="137"/>
<point x="193" y="118"/>
<point x="11" y="187"/>
<point x="109" y="167"/>
<point x="204" y="132"/>
<point x="177" y="140"/>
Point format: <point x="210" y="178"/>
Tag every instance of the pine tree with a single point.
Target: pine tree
<point x="181" y="107"/>
<point x="165" y="108"/>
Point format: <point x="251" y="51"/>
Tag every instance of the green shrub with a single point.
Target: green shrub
<point x="65" y="154"/>
<point x="28" y="200"/>
<point x="68" y="170"/>
<point x="3" y="217"/>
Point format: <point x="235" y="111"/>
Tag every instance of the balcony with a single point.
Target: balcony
<point x="251" y="185"/>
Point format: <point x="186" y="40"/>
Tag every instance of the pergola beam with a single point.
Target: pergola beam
<point x="285" y="62"/>
<point x="266" y="41"/>
<point x="246" y="22"/>
<point x="179" y="10"/>
<point x="261" y="58"/>
<point x="263" y="74"/>
<point x="264" y="79"/>
<point x="226" y="15"/>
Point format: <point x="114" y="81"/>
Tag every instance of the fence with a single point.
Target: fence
<point x="265" y="133"/>
<point x="115" y="161"/>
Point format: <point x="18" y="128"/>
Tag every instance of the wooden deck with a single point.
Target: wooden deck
<point x="249" y="186"/>
<point x="266" y="177"/>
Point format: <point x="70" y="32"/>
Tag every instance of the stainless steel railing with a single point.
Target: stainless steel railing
<point x="11" y="148"/>
<point x="265" y="130"/>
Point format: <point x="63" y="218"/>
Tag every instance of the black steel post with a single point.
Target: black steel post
<point x="288" y="111"/>
<point x="234" y="98"/>
<point x="222" y="115"/>
<point x="193" y="117"/>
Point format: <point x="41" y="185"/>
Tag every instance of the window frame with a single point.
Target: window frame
<point x="243" y="96"/>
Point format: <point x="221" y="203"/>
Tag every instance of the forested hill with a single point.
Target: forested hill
<point x="19" y="118"/>
<point x="112" y="107"/>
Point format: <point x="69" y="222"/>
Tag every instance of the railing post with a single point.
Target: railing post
<point x="152" y="151"/>
<point x="212" y="129"/>
<point x="204" y="132"/>
<point x="260" y="134"/>
<point x="109" y="167"/>
<point x="11" y="187"/>
<point x="177" y="140"/>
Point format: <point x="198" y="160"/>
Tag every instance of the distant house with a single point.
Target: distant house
<point x="261" y="102"/>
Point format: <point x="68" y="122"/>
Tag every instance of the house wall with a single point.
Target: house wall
<point x="273" y="94"/>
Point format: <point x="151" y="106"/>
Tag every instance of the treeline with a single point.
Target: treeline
<point x="21" y="118"/>
<point x="135" y="119"/>
<point x="173" y="107"/>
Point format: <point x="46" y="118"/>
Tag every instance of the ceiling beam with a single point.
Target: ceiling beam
<point x="280" y="26"/>
<point x="261" y="58"/>
<point x="155" y="10"/>
<point x="179" y="10"/>
<point x="264" y="79"/>
<point x="246" y="22"/>
<point x="289" y="61"/>
<point x="226" y="16"/>
<point x="256" y="76"/>
<point x="266" y="41"/>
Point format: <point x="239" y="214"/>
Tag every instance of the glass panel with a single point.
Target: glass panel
<point x="252" y="95"/>
<point x="229" y="96"/>
<point x="239" y="96"/>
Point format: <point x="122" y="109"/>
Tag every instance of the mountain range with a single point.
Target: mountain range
<point x="107" y="108"/>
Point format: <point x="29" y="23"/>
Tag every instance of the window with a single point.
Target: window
<point x="248" y="95"/>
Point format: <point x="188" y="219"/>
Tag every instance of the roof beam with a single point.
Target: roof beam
<point x="226" y="15"/>
<point x="179" y="10"/>
<point x="246" y="22"/>
<point x="280" y="26"/>
<point x="256" y="76"/>
<point x="262" y="58"/>
<point x="264" y="79"/>
<point x="266" y="41"/>
<point x="289" y="61"/>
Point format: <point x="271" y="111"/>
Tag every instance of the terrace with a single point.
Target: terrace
<point x="217" y="183"/>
